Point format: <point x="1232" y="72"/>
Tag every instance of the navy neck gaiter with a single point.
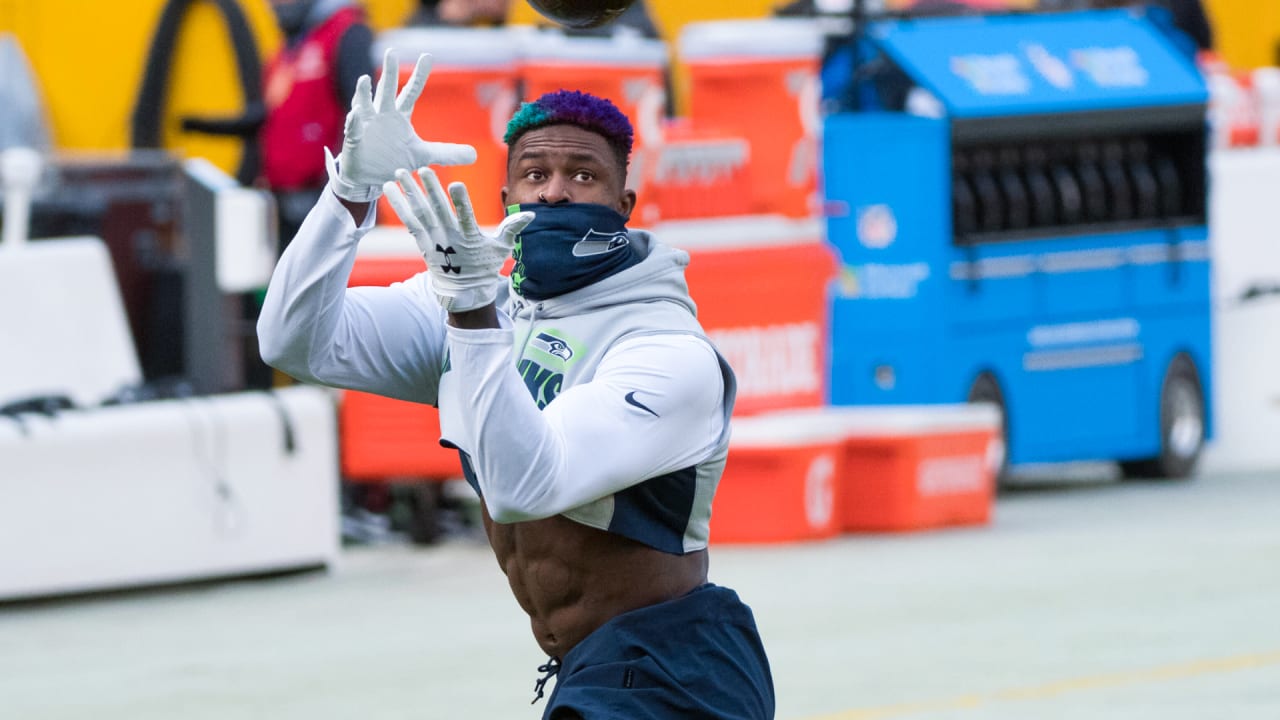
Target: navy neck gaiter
<point x="569" y="246"/>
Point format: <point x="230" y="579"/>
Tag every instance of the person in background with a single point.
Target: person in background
<point x="590" y="409"/>
<point x="307" y="87"/>
<point x="328" y="46"/>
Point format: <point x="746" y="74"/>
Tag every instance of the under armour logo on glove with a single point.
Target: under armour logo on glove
<point x="449" y="267"/>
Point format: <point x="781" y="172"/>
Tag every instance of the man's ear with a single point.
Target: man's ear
<point x="627" y="203"/>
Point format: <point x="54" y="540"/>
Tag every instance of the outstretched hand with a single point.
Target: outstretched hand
<point x="464" y="262"/>
<point x="379" y="138"/>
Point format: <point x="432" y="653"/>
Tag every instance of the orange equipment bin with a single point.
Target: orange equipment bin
<point x="469" y="98"/>
<point x="780" y="484"/>
<point x="380" y="438"/>
<point x="694" y="174"/>
<point x="760" y="284"/>
<point x="758" y="79"/>
<point x="914" y="467"/>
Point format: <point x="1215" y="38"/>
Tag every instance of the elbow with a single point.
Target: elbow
<point x="271" y="347"/>
<point x="276" y="351"/>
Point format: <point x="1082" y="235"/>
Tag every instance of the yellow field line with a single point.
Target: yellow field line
<point x="1062" y="687"/>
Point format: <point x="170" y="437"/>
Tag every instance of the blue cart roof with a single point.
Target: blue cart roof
<point x="1050" y="63"/>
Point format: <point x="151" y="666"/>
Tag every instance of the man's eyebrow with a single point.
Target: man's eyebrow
<point x="581" y="156"/>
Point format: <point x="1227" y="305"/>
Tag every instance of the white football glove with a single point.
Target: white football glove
<point x="379" y="138"/>
<point x="464" y="262"/>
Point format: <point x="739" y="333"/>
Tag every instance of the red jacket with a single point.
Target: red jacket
<point x="303" y="111"/>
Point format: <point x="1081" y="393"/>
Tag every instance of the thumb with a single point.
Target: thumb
<point x="330" y="163"/>
<point x="513" y="225"/>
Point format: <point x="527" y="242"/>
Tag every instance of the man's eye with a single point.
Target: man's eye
<point x="585" y="176"/>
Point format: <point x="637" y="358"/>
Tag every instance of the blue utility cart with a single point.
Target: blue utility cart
<point x="1029" y="229"/>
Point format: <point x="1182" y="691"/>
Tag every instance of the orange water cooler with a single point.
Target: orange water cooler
<point x="913" y="467"/>
<point x="470" y="96"/>
<point x="782" y="483"/>
<point x="692" y="173"/>
<point x="812" y="473"/>
<point x="759" y="80"/>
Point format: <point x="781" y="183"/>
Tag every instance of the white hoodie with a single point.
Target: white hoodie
<point x="636" y="438"/>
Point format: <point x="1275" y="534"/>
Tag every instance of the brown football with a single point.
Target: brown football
<point x="580" y="14"/>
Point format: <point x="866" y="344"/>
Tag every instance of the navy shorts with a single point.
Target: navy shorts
<point x="697" y="656"/>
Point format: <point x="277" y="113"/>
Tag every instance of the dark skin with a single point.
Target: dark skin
<point x="568" y="577"/>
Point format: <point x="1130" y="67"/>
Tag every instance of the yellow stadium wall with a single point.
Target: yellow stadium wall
<point x="1246" y="31"/>
<point x="384" y="14"/>
<point x="89" y="57"/>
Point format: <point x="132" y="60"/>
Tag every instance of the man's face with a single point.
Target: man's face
<point x="564" y="163"/>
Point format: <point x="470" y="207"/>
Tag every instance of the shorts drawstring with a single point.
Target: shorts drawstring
<point x="549" y="670"/>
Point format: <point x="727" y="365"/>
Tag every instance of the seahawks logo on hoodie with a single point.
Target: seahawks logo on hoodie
<point x="598" y="243"/>
<point x="544" y="376"/>
<point x="552" y="345"/>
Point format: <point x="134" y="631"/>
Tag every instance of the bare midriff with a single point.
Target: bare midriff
<point x="571" y="578"/>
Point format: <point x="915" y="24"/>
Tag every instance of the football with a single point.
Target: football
<point x="580" y="14"/>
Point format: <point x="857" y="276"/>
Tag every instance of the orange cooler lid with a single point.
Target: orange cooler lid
<point x="780" y="430"/>
<point x="894" y="420"/>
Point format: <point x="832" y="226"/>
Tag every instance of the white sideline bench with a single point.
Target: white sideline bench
<point x="106" y="497"/>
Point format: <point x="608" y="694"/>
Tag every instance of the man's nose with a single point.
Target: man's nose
<point x="555" y="191"/>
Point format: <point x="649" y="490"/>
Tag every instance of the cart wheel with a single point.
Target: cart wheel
<point x="986" y="389"/>
<point x="1182" y="425"/>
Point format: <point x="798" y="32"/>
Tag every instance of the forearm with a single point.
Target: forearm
<point x="479" y="319"/>
<point x="359" y="210"/>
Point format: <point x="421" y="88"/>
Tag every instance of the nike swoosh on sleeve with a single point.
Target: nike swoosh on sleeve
<point x="631" y="400"/>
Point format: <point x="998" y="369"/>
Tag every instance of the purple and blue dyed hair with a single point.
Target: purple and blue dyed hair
<point x="571" y="107"/>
